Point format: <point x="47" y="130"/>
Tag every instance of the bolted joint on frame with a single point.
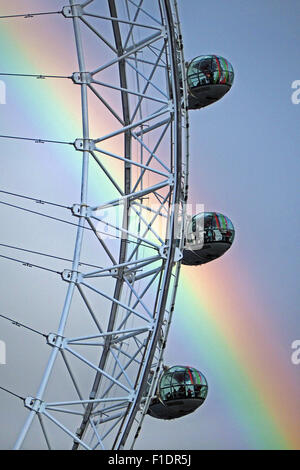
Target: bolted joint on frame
<point x="164" y="32"/>
<point x="129" y="276"/>
<point x="171" y="106"/>
<point x="80" y="78"/>
<point x="131" y="396"/>
<point x="84" y="145"/>
<point x="56" y="340"/>
<point x="71" y="12"/>
<point x="114" y="272"/>
<point x="163" y="251"/>
<point x="34" y="404"/>
<point x="171" y="180"/>
<point x="81" y="210"/>
<point x="71" y="276"/>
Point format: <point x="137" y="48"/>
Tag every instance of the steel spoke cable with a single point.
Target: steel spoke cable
<point x="37" y="141"/>
<point x="12" y="393"/>
<point x="30" y="15"/>
<point x="30" y="265"/>
<point x="19" y="324"/>
<point x="33" y="75"/>
<point x="37" y="200"/>
<point x="67" y="222"/>
<point x="46" y="254"/>
<point x="38" y="213"/>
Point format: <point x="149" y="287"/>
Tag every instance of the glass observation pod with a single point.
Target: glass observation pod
<point x="181" y="390"/>
<point x="209" y="78"/>
<point x="209" y="236"/>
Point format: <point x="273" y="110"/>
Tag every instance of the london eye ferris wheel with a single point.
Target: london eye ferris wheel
<point x="103" y="355"/>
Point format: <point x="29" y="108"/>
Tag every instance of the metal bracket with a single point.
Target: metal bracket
<point x="114" y="272"/>
<point x="84" y="144"/>
<point x="171" y="106"/>
<point x="164" y="32"/>
<point x="71" y="12"/>
<point x="132" y="395"/>
<point x="71" y="276"/>
<point x="81" y="78"/>
<point x="81" y="210"/>
<point x="178" y="255"/>
<point x="129" y="276"/>
<point x="171" y="180"/>
<point x="163" y="250"/>
<point x="34" y="404"/>
<point x="56" y="340"/>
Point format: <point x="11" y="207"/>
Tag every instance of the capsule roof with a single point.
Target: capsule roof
<point x="213" y="220"/>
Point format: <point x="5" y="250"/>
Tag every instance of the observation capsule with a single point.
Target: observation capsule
<point x="181" y="390"/>
<point x="209" y="236"/>
<point x="209" y="78"/>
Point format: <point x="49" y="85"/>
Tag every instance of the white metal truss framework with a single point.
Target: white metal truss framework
<point x="140" y="83"/>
